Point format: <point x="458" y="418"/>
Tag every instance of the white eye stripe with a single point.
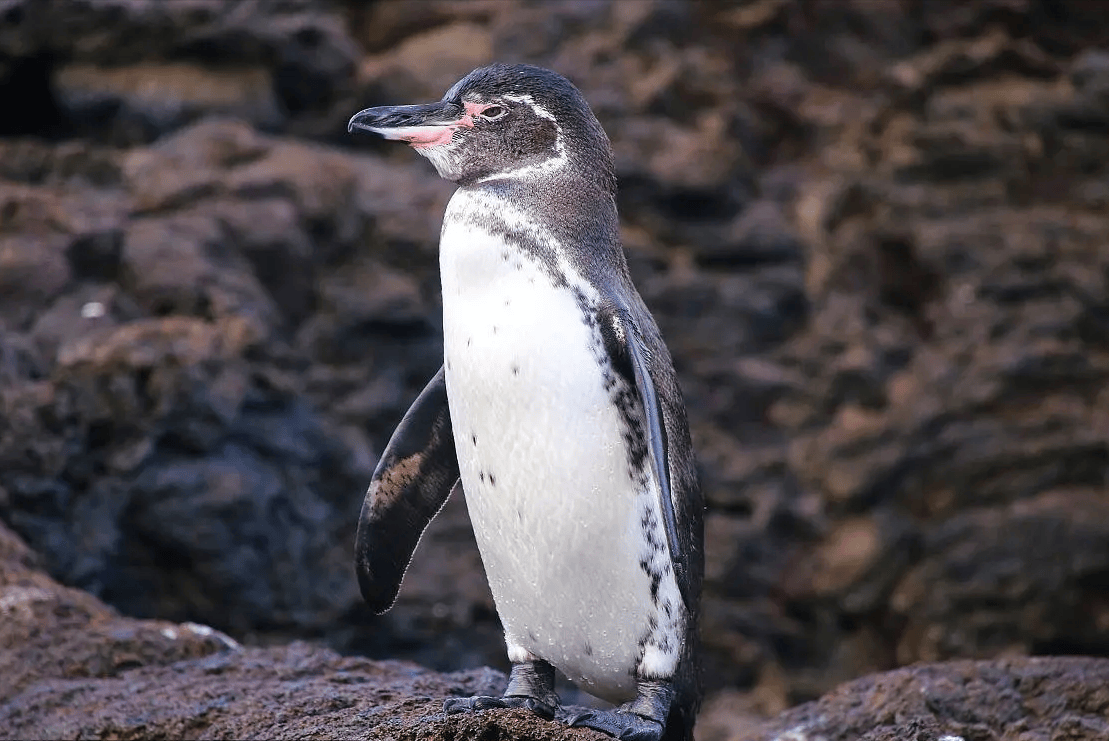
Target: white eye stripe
<point x="552" y="163"/>
<point x="530" y="102"/>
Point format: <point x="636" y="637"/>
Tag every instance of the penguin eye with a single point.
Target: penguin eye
<point x="493" y="112"/>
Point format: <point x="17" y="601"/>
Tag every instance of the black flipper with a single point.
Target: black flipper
<point x="623" y="344"/>
<point x="410" y="485"/>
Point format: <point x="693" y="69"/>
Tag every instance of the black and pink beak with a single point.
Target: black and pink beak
<point x="422" y="126"/>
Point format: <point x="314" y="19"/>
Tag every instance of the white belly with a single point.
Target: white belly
<point x="544" y="467"/>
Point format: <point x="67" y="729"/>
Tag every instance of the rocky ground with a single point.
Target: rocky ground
<point x="76" y="668"/>
<point x="874" y="235"/>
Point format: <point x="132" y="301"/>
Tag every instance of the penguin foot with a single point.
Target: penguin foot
<point x="642" y="719"/>
<point x="455" y="705"/>
<point x="619" y="724"/>
<point x="531" y="686"/>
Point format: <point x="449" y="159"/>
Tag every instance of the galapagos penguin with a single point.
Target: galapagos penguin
<point x="558" y="409"/>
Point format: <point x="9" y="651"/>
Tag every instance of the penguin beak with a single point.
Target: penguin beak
<point x="422" y="126"/>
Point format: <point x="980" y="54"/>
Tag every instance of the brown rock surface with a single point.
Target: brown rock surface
<point x="874" y="237"/>
<point x="1002" y="700"/>
<point x="75" y="668"/>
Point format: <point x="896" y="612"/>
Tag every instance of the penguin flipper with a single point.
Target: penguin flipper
<point x="625" y="344"/>
<point x="411" y="483"/>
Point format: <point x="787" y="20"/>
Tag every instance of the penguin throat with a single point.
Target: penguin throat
<point x="443" y="155"/>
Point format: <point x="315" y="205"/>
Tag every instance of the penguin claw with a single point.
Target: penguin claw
<point x="542" y="709"/>
<point x="455" y="705"/>
<point x="618" y="724"/>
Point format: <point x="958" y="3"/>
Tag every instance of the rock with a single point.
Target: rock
<point x="75" y="667"/>
<point x="1001" y="700"/>
<point x="380" y="26"/>
<point x="279" y="693"/>
<point x="55" y="633"/>
<point x="137" y="103"/>
<point x="33" y="269"/>
<point x="927" y="323"/>
<point x="425" y="65"/>
<point x="1006" y="603"/>
<point x="128" y="72"/>
<point x="761" y="234"/>
<point x="873" y="238"/>
<point x="211" y="250"/>
<point x="165" y="428"/>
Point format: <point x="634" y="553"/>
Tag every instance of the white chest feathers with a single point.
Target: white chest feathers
<point x="558" y="509"/>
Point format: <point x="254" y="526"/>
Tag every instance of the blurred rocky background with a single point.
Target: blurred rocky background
<point x="875" y="236"/>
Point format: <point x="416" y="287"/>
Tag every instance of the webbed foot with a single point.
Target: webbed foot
<point x="619" y="723"/>
<point x="453" y="705"/>
<point x="531" y="686"/>
<point x="642" y="719"/>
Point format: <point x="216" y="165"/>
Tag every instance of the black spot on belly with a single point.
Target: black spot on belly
<point x="492" y="480"/>
<point x="587" y="649"/>
<point x="494" y="329"/>
<point x="532" y="637"/>
<point x="473" y="437"/>
<point x="515" y="369"/>
<point x="481" y="475"/>
<point x="469" y="341"/>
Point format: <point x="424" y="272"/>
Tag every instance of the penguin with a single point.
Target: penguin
<point x="557" y="409"/>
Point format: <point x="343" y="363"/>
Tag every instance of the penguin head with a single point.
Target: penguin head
<point x="502" y="121"/>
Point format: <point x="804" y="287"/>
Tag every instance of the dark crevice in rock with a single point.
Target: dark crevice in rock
<point x="25" y="85"/>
